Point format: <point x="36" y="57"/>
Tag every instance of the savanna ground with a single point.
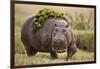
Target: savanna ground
<point x="81" y="21"/>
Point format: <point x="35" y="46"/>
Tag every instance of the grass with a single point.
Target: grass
<point x="44" y="58"/>
<point x="80" y="21"/>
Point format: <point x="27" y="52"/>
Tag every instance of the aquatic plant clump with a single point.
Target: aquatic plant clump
<point x="44" y="14"/>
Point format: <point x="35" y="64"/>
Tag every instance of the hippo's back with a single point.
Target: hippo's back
<point x="26" y="31"/>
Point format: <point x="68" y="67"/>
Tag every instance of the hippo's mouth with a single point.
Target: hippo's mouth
<point x="59" y="46"/>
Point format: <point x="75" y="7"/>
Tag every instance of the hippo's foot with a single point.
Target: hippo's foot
<point x="68" y="58"/>
<point x="30" y="50"/>
<point x="53" y="55"/>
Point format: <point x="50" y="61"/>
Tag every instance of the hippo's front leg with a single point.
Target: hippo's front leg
<point x="72" y="49"/>
<point x="53" y="53"/>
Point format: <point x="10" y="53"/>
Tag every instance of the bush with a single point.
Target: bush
<point x="85" y="40"/>
<point x="44" y="14"/>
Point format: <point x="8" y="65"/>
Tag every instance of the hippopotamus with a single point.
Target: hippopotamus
<point x="54" y="35"/>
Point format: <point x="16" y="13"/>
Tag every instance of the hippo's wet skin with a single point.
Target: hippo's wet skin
<point x="53" y="36"/>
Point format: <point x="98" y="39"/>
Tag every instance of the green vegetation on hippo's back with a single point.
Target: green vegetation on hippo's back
<point x="44" y="14"/>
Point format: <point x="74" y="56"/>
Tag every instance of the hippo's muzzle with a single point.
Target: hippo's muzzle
<point x="59" y="43"/>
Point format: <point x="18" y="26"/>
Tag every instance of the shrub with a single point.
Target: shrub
<point x="44" y="14"/>
<point x="85" y="40"/>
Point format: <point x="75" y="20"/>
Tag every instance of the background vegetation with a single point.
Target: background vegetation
<point x="81" y="21"/>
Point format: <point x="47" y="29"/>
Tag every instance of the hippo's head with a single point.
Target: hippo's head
<point x="58" y="34"/>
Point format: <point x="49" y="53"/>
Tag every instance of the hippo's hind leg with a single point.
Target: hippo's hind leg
<point x="29" y="49"/>
<point x="72" y="49"/>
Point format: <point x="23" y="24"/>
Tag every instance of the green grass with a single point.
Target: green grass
<point x="44" y="58"/>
